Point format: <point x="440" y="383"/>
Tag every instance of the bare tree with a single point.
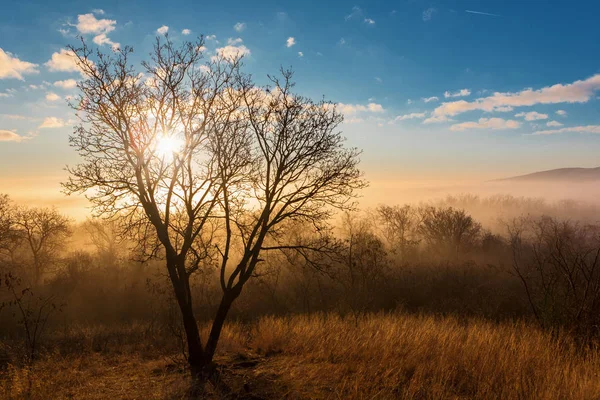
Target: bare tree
<point x="204" y="166"/>
<point x="44" y="231"/>
<point x="448" y="229"/>
<point x="399" y="226"/>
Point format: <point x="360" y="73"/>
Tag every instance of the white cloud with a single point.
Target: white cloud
<point x="103" y="39"/>
<point x="10" y="136"/>
<point x="342" y="41"/>
<point x="356" y="108"/>
<point x="240" y="26"/>
<point x="98" y="11"/>
<point x="186" y="32"/>
<point x="66" y="84"/>
<point x="577" y="129"/>
<point x="52" y="96"/>
<point x="89" y="24"/>
<point x="427" y="14"/>
<point x="64" y="61"/>
<point x="409" y="101"/>
<point x="378" y="79"/>
<point x="12" y="67"/>
<point x="562" y="113"/>
<point x="52" y="122"/>
<point x="487" y="123"/>
<point x="369" y="21"/>
<point x="230" y="52"/>
<point x="210" y="37"/>
<point x="429" y="99"/>
<point x="408" y="116"/>
<point x="460" y="93"/>
<point x="532" y="116"/>
<point x="290" y="42"/>
<point x="576" y="92"/>
<point x="300" y="54"/>
<point x="162" y="30"/>
<point x="553" y="124"/>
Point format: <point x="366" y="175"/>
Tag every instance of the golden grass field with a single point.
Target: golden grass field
<point x="319" y="357"/>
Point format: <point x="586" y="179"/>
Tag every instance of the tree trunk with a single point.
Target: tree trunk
<point x="217" y="325"/>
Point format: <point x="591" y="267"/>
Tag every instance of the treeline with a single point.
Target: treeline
<point x="539" y="264"/>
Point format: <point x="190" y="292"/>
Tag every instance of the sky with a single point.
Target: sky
<point x="433" y="92"/>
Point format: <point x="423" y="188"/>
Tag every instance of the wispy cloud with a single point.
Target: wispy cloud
<point x="460" y="93"/>
<point x="290" y="42"/>
<point x="300" y="54"/>
<point x="562" y="113"/>
<point x="10" y="136"/>
<point x="553" y="124"/>
<point x="53" y="122"/>
<point x="186" y="32"/>
<point x="482" y="13"/>
<point x="487" y="123"/>
<point x="408" y="116"/>
<point x="576" y="129"/>
<point x="240" y="26"/>
<point x="430" y="99"/>
<point x="349" y="109"/>
<point x="369" y="21"/>
<point x="532" y="116"/>
<point x="66" y="84"/>
<point x="577" y="92"/>
<point x="50" y="96"/>
<point x="428" y="14"/>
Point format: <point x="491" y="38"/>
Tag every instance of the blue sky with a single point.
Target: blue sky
<point x="465" y="90"/>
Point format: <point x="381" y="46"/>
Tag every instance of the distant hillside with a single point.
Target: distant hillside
<point x="573" y="175"/>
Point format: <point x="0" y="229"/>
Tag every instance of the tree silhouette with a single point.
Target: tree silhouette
<point x="205" y="168"/>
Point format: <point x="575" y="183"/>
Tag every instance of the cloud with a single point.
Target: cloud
<point x="52" y="96"/>
<point x="408" y="116"/>
<point x="342" y="41"/>
<point x="13" y="116"/>
<point x="460" y="93"/>
<point x="290" y="41"/>
<point x="429" y="99"/>
<point x="98" y="11"/>
<point x="63" y="61"/>
<point x="186" y="32"/>
<point x="230" y="52"/>
<point x="409" y="101"/>
<point x="487" y="123"/>
<point x="553" y="124"/>
<point x="356" y="11"/>
<point x="53" y="122"/>
<point x="12" y="67"/>
<point x="436" y="119"/>
<point x="576" y="92"/>
<point x="240" y="26"/>
<point x="162" y="30"/>
<point x="66" y="84"/>
<point x="532" y="116"/>
<point x="89" y="24"/>
<point x="234" y="42"/>
<point x="369" y="21"/>
<point x="300" y="54"/>
<point x="427" y="14"/>
<point x="577" y="129"/>
<point x="378" y="79"/>
<point x="210" y="37"/>
<point x="349" y="109"/>
<point x="10" y="136"/>
<point x="562" y="113"/>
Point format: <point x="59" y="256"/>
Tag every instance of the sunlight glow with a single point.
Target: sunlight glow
<point x="168" y="146"/>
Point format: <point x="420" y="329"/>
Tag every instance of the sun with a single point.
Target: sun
<point x="168" y="146"/>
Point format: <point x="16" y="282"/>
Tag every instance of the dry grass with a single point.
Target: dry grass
<point x="329" y="357"/>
